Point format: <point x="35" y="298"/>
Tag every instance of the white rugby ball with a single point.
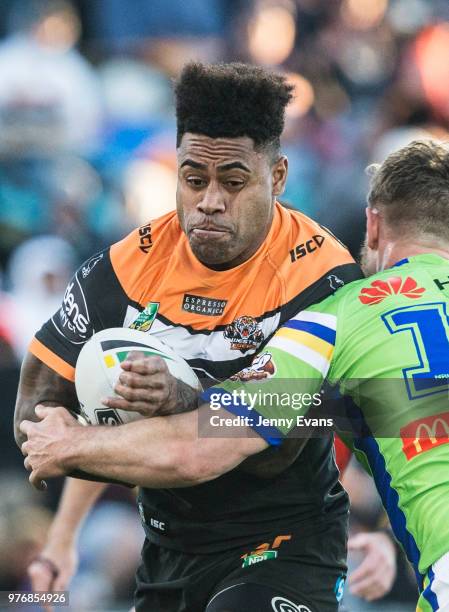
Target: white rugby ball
<point x="98" y="368"/>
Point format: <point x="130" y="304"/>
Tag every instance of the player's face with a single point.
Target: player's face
<point x="368" y="259"/>
<point x="371" y="254"/>
<point x="225" y="197"/>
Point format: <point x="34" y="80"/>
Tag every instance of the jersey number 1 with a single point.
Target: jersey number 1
<point x="428" y="325"/>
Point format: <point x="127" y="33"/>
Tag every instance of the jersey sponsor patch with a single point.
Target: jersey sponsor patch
<point x="424" y="434"/>
<point x="210" y="307"/>
<point x="381" y="289"/>
<point x="72" y="320"/>
<point x="244" y="333"/>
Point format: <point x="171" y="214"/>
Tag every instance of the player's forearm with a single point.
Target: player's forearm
<point x="77" y="499"/>
<point x="137" y="453"/>
<point x="40" y="385"/>
<point x="158" y="452"/>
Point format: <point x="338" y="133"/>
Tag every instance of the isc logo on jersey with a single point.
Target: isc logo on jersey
<point x="98" y="368"/>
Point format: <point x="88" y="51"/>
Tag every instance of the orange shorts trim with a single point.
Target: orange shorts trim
<point x="51" y="360"/>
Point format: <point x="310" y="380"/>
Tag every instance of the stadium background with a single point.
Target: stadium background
<point x="87" y="151"/>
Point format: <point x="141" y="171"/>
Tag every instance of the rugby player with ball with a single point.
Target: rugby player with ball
<point x="213" y="281"/>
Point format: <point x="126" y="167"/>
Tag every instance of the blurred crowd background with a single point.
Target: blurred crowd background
<point x="87" y="151"/>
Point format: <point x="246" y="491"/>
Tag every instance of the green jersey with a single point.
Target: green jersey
<point x="383" y="343"/>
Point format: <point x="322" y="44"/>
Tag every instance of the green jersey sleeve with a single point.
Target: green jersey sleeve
<point x="283" y="382"/>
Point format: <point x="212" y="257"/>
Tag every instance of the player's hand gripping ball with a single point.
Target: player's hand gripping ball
<point x="132" y="368"/>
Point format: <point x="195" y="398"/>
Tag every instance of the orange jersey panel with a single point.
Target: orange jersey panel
<point x="295" y="254"/>
<point x="216" y="320"/>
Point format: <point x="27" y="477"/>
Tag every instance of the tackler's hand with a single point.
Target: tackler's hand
<point x="47" y="443"/>
<point x="375" y="575"/>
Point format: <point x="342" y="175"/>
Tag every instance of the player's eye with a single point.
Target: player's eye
<point x="195" y="181"/>
<point x="234" y="183"/>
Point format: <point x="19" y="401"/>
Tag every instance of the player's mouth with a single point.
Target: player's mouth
<point x="209" y="232"/>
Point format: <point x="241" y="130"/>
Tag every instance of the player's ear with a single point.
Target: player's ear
<point x="372" y="227"/>
<point x="279" y="174"/>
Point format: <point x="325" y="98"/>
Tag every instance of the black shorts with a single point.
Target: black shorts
<point x="305" y="573"/>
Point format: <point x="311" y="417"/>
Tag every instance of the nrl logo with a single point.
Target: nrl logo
<point x="244" y="333"/>
<point x="146" y="318"/>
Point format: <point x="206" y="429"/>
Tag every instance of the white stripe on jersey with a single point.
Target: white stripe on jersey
<point x="302" y="352"/>
<point x="440" y="584"/>
<point x="212" y="346"/>
<point x="329" y="320"/>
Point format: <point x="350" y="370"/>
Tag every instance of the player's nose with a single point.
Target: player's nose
<point x="212" y="201"/>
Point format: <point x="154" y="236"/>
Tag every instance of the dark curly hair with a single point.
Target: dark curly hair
<point x="232" y="100"/>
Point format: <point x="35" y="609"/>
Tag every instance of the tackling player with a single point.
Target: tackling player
<point x="384" y="342"/>
<point x="214" y="282"/>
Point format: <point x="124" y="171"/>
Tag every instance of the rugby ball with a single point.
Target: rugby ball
<point x="98" y="369"/>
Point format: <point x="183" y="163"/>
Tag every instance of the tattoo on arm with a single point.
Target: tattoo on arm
<point x="40" y="385"/>
<point x="187" y="398"/>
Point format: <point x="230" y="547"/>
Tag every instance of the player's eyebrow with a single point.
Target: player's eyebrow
<point x="223" y="168"/>
<point x="193" y="164"/>
<point x="233" y="166"/>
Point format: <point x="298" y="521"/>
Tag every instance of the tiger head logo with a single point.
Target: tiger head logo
<point x="244" y="333"/>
